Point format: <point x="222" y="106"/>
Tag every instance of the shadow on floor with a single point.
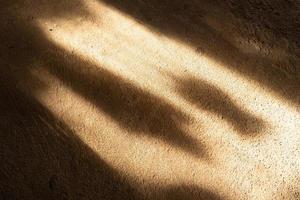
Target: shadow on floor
<point x="257" y="39"/>
<point x="134" y="109"/>
<point x="180" y="192"/>
<point x="25" y="47"/>
<point x="41" y="157"/>
<point x="210" y="98"/>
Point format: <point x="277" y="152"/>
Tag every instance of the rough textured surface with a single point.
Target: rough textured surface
<point x="153" y="99"/>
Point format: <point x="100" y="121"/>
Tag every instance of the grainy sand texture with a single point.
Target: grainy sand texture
<point x="150" y="99"/>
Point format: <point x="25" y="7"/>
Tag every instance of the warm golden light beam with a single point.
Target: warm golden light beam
<point x="238" y="167"/>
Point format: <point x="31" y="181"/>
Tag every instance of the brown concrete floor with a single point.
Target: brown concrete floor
<point x="149" y="99"/>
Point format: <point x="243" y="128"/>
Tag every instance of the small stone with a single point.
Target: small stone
<point x="52" y="182"/>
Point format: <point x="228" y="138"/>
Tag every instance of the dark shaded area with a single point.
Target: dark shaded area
<point x="22" y="43"/>
<point x="43" y="9"/>
<point x="41" y="157"/>
<point x="214" y="100"/>
<point x="134" y="109"/>
<point x="186" y="192"/>
<point x="216" y="28"/>
<point x="279" y="18"/>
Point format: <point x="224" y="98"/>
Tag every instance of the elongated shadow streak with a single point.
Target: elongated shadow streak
<point x="41" y="158"/>
<point x="210" y="98"/>
<point x="187" y="192"/>
<point x="216" y="28"/>
<point x="133" y="108"/>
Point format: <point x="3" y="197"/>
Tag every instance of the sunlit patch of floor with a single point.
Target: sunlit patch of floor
<point x="238" y="165"/>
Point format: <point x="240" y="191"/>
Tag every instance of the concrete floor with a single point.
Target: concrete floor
<point x="154" y="99"/>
